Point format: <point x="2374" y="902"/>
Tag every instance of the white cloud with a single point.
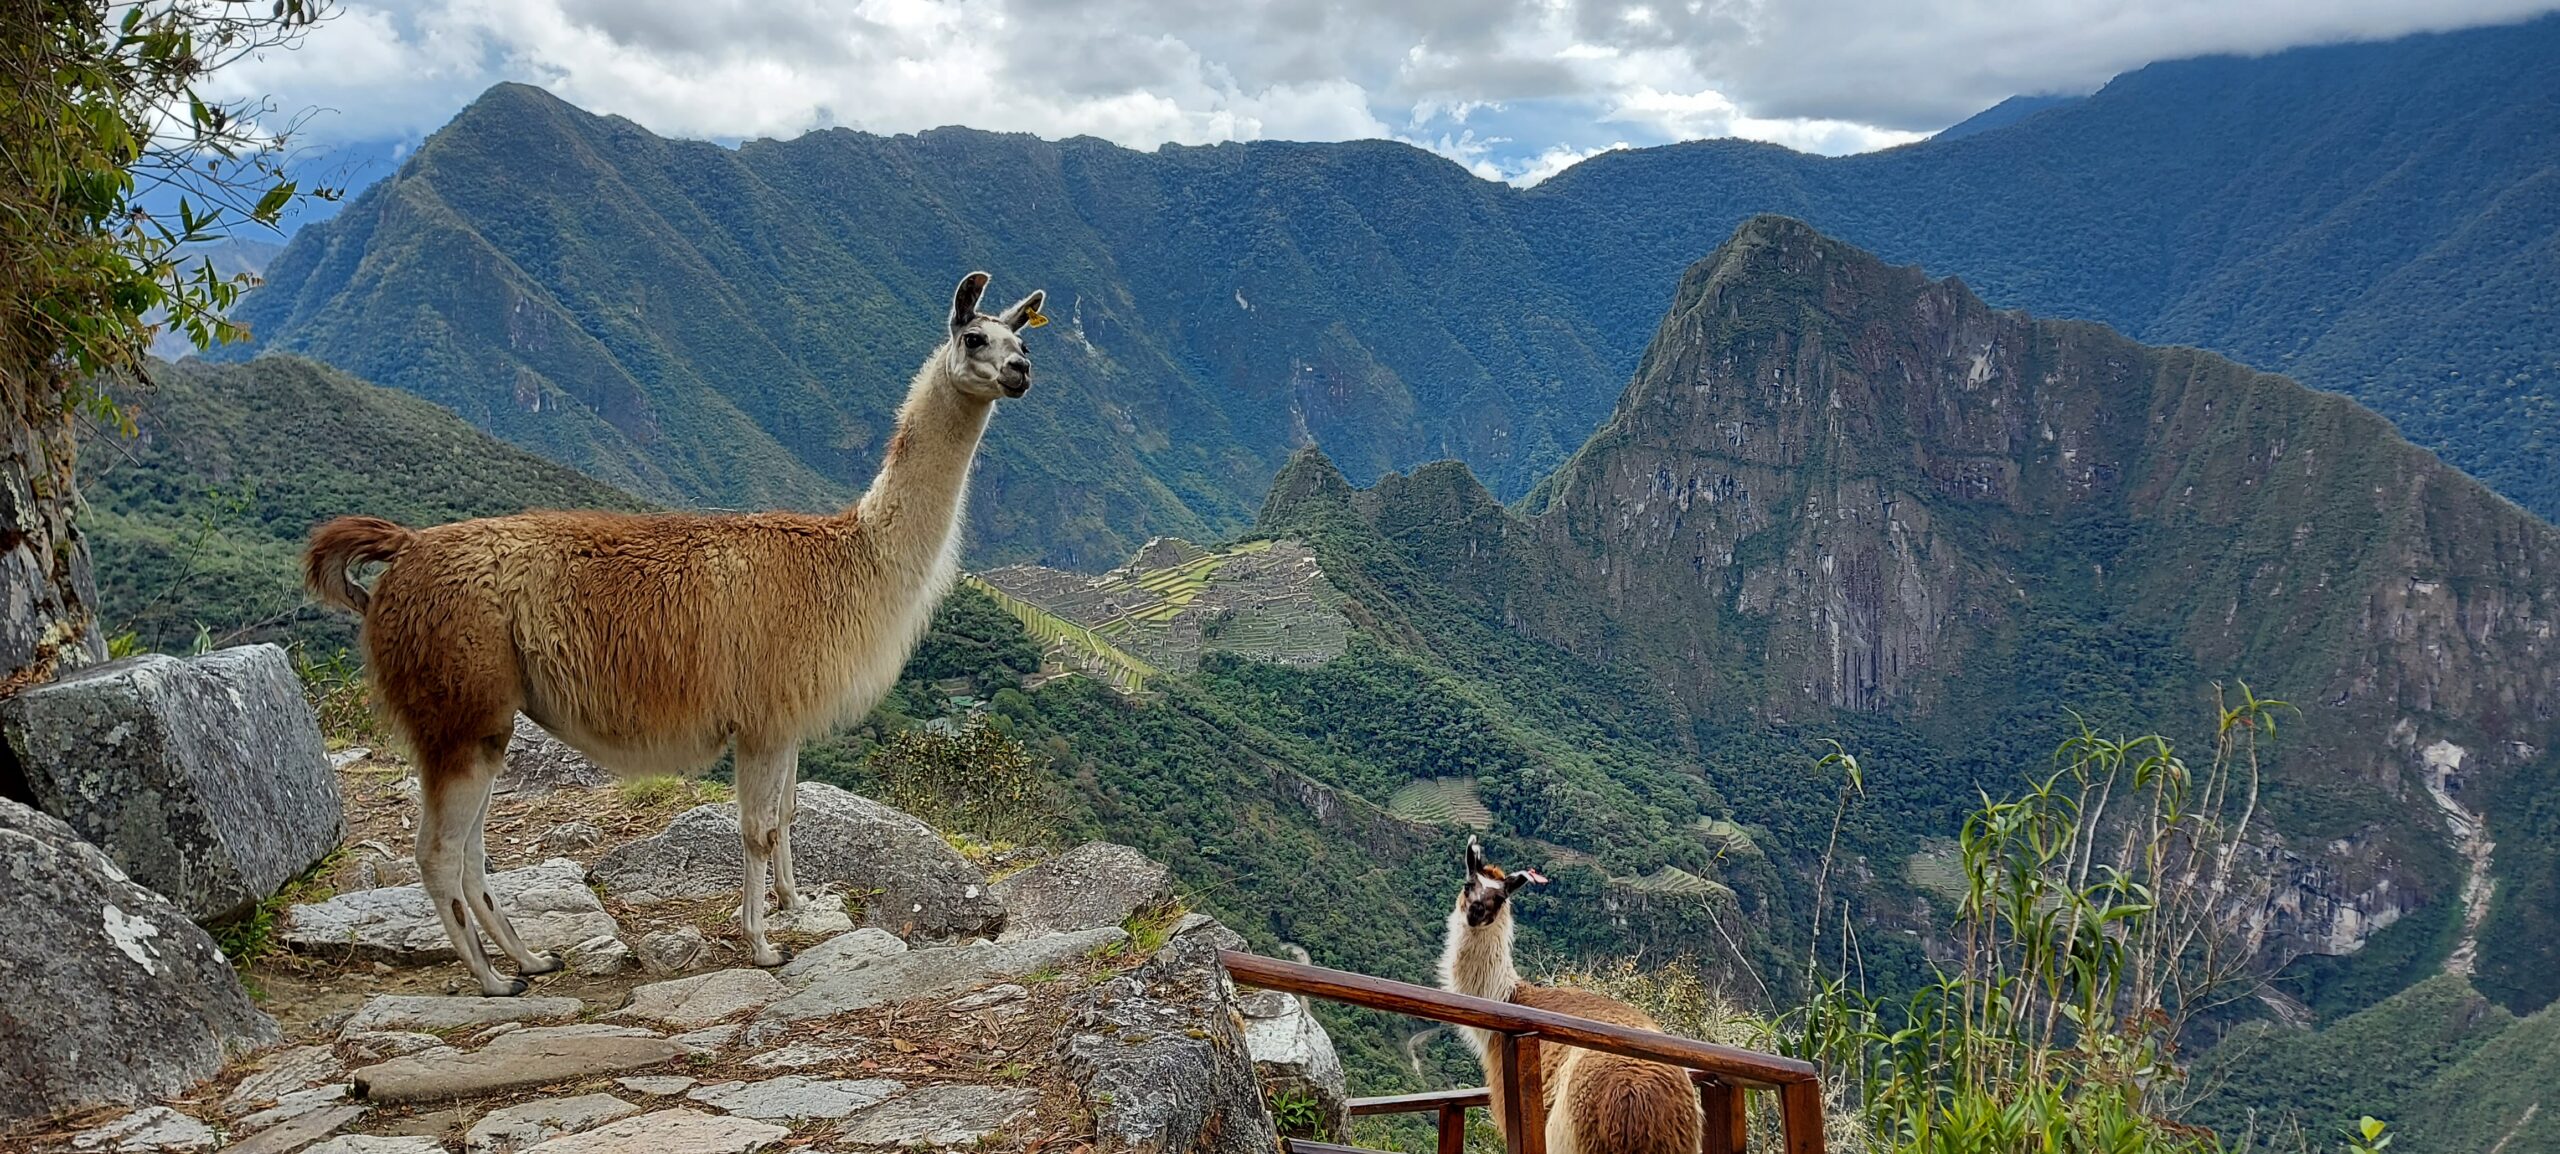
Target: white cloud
<point x="1514" y="89"/>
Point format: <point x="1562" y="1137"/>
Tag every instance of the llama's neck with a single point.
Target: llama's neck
<point x="912" y="512"/>
<point x="1476" y="961"/>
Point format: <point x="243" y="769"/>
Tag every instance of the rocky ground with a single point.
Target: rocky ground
<point x="1007" y="1002"/>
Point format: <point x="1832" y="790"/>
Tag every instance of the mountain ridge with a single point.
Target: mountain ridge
<point x="725" y="327"/>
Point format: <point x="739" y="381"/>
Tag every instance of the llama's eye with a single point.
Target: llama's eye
<point x="974" y="340"/>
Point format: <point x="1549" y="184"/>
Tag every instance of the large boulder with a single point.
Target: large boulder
<point x="540" y="763"/>
<point x="548" y="903"/>
<point x="1296" y="1061"/>
<point x="921" y="886"/>
<point x="1095" y="884"/>
<point x="1157" y="1058"/>
<point x="118" y="996"/>
<point x="205" y="779"/>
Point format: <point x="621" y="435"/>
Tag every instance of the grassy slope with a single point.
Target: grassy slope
<point x="199" y="520"/>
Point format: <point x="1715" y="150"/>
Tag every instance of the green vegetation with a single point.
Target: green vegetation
<point x="970" y="779"/>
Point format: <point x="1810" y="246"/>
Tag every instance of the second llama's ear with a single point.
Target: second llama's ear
<point x="1025" y="313"/>
<point x="964" y="300"/>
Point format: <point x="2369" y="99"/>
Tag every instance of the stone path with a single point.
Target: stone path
<point x="864" y="1041"/>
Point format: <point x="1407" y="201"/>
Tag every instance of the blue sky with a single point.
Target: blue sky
<point x="1516" y="91"/>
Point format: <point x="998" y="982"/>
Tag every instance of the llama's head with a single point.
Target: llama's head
<point x="984" y="356"/>
<point x="1489" y="888"/>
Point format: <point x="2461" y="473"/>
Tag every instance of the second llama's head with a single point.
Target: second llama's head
<point x="1489" y="888"/>
<point x="985" y="355"/>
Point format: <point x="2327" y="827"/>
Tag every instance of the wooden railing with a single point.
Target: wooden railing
<point x="1724" y="1075"/>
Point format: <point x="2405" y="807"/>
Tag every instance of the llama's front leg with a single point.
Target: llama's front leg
<point x="759" y="810"/>
<point x="786" y="889"/>
<point x="450" y="803"/>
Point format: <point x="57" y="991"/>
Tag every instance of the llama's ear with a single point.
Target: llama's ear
<point x="1513" y="883"/>
<point x="1025" y="313"/>
<point x="1475" y="857"/>
<point x="964" y="300"/>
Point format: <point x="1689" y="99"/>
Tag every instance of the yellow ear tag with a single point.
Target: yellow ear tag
<point x="1034" y="321"/>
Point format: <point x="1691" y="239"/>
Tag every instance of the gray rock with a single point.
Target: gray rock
<point x="671" y="951"/>
<point x="793" y="1096"/>
<point x="286" y="1137"/>
<point x="945" y="1115"/>
<point x="532" y="1057"/>
<point x="152" y="1128"/>
<point x="429" y="1012"/>
<point x="376" y="1144"/>
<point x="802" y="1055"/>
<point x="878" y="980"/>
<point x="1295" y="1058"/>
<point x="1095" y="884"/>
<point x="205" y="779"/>
<point x="515" y="1127"/>
<point x="1157" y="1058"/>
<point x="124" y="999"/>
<point x="991" y="996"/>
<point x="656" y="1085"/>
<point x="677" y="1131"/>
<point x="819" y="915"/>
<point x="571" y="836"/>
<point x="924" y="887"/>
<point x="291" y="1106"/>
<point x="282" y="1073"/>
<point x="689" y="1003"/>
<point x="540" y="763"/>
<point x="376" y="1045"/>
<point x="709" y="1039"/>
<point x="846" y="951"/>
<point x="548" y="903"/>
<point x="601" y="956"/>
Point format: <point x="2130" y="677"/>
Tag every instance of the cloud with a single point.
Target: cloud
<point x="1514" y="89"/>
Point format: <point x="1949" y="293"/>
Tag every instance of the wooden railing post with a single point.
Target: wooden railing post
<point x="1800" y="1103"/>
<point x="1728" y="1124"/>
<point x="1453" y="1128"/>
<point x="1524" y="1093"/>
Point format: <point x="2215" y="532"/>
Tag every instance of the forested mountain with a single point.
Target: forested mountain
<point x="732" y="326"/>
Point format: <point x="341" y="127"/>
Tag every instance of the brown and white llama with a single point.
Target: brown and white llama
<point x="1596" y="1103"/>
<point x="651" y="643"/>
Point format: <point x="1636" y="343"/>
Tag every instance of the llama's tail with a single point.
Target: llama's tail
<point x="328" y="565"/>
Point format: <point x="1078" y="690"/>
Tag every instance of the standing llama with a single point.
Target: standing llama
<point x="1596" y="1103"/>
<point x="651" y="643"/>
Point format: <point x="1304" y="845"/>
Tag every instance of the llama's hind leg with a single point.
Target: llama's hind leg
<point x="761" y="778"/>
<point x="786" y="888"/>
<point x="453" y="794"/>
<point x="475" y="879"/>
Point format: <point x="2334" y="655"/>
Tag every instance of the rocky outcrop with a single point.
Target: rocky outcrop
<point x="923" y="887"/>
<point x="119" y="996"/>
<point x="1294" y="1058"/>
<point x="205" y="779"/>
<point x="1093" y="885"/>
<point x="1157" y="1056"/>
<point x="548" y="903"/>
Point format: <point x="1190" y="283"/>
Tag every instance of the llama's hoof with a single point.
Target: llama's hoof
<point x="508" y="988"/>
<point x="550" y="964"/>
<point x="771" y="956"/>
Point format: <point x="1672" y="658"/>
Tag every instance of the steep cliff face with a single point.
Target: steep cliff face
<point x="1857" y="478"/>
